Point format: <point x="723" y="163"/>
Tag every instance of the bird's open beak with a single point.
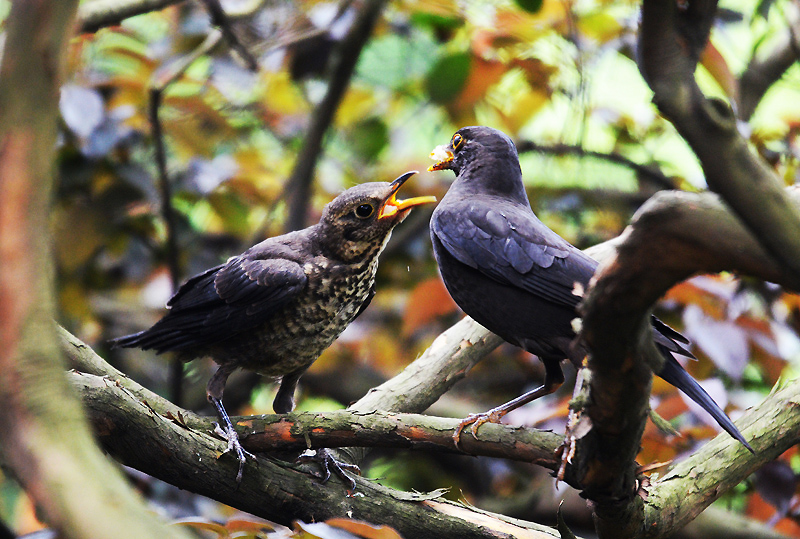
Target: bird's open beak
<point x="443" y="157"/>
<point x="392" y="206"/>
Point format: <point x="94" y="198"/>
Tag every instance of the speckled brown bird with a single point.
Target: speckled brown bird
<point x="276" y="307"/>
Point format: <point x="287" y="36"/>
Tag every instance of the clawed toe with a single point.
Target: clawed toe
<point x="234" y="446"/>
<point x="476" y="420"/>
<point x="327" y="462"/>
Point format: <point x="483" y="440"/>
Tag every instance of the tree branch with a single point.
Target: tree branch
<point x="692" y="485"/>
<point x="655" y="176"/>
<point x="161" y="80"/>
<point x="98" y="14"/>
<point x="220" y="19"/>
<point x="660" y="248"/>
<point x="151" y="434"/>
<point x="671" y="39"/>
<point x="45" y="437"/>
<point x="343" y="64"/>
<point x="762" y="73"/>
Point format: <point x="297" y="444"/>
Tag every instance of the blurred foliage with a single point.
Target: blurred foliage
<point x="550" y="71"/>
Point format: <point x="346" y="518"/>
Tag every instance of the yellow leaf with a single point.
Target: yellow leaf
<point x="281" y="95"/>
<point x="443" y="8"/>
<point x="356" y="105"/>
<point x="528" y="27"/>
<point x="600" y="25"/>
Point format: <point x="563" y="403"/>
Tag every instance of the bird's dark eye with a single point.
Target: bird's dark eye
<point x="364" y="210"/>
<point x="458" y="140"/>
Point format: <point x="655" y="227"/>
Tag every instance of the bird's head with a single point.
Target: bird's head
<point x="360" y="220"/>
<point x="485" y="160"/>
<point x="473" y="146"/>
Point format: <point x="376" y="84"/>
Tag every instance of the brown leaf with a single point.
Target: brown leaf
<point x="428" y="300"/>
<point x="364" y="529"/>
<point x="718" y="68"/>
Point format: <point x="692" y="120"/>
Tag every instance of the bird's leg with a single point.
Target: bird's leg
<point x="283" y="404"/>
<point x="553" y="378"/>
<point x="214" y="391"/>
<point x="284" y="398"/>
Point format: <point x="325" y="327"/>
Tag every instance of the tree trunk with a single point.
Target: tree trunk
<point x="46" y="440"/>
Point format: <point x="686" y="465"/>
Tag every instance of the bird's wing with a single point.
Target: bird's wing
<point x="509" y="244"/>
<point x="221" y="302"/>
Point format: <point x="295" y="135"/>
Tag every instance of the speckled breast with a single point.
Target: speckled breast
<point x="295" y="336"/>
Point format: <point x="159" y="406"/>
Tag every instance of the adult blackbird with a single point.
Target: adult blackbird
<point x="276" y="307"/>
<point x="517" y="277"/>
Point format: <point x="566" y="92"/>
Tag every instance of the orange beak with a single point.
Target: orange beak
<point x="443" y="157"/>
<point x="392" y="206"/>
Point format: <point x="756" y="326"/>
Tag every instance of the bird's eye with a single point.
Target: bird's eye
<point x="458" y="140"/>
<point x="363" y="211"/>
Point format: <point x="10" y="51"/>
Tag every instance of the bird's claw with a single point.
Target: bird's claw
<point x="234" y="446"/>
<point x="327" y="462"/>
<point x="476" y="420"/>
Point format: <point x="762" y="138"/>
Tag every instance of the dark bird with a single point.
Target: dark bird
<point x="276" y="307"/>
<point x="493" y="253"/>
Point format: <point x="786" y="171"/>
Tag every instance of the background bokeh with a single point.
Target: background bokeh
<point x="559" y="77"/>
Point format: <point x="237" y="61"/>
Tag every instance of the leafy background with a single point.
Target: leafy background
<point x="558" y="76"/>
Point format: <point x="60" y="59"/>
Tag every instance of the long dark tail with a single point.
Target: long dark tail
<point x="136" y="340"/>
<point x="676" y="375"/>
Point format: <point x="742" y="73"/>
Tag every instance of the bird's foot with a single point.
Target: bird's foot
<point x="476" y="420"/>
<point x="327" y="462"/>
<point x="234" y="446"/>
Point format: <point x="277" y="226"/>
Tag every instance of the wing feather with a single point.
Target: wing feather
<point x="222" y="302"/>
<point x="513" y="247"/>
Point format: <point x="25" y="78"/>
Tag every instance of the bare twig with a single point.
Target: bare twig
<point x="343" y="63"/>
<point x="161" y="81"/>
<point x="221" y="21"/>
<point x="97" y="14"/>
<point x="92" y="16"/>
<point x="762" y="73"/>
<point x="645" y="172"/>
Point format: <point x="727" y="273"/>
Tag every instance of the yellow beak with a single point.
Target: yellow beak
<point x="442" y="156"/>
<point x="392" y="205"/>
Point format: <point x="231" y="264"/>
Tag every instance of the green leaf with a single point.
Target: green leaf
<point x="369" y="137"/>
<point x="448" y="76"/>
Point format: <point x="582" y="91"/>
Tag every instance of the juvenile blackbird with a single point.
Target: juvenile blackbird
<point x="276" y="307"/>
<point x="517" y="277"/>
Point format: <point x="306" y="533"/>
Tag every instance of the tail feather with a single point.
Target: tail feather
<point x="676" y="375"/>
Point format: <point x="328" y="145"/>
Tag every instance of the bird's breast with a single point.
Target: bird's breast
<point x="294" y="337"/>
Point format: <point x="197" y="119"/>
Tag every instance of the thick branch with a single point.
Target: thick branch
<point x="670" y="41"/>
<point x="689" y="487"/>
<point x="148" y="433"/>
<point x="660" y="248"/>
